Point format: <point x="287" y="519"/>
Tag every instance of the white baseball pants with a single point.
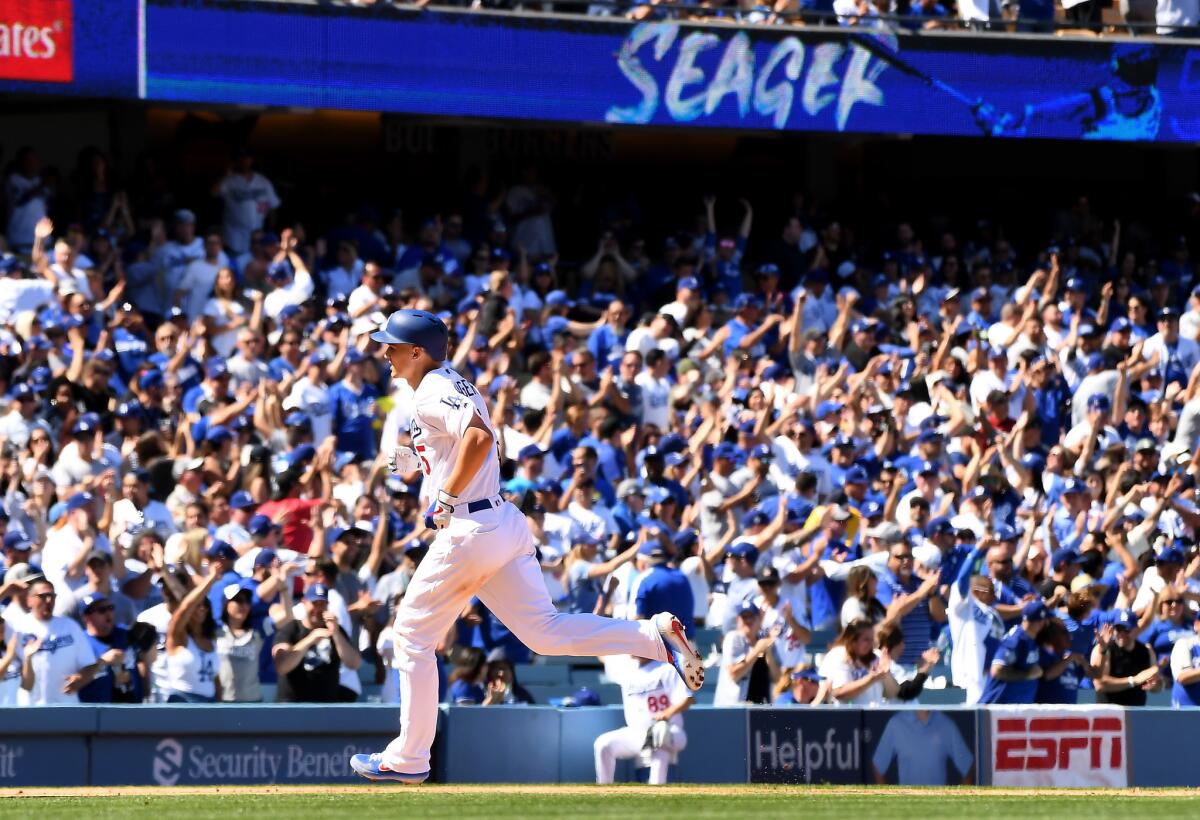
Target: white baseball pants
<point x="489" y="554"/>
<point x="625" y="743"/>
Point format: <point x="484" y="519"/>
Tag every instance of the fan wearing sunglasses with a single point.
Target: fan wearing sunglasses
<point x="58" y="655"/>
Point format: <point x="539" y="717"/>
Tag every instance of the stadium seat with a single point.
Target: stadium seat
<point x="543" y="674"/>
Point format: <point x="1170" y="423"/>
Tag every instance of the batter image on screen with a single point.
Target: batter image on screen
<point x="483" y="548"/>
<point x="1125" y="105"/>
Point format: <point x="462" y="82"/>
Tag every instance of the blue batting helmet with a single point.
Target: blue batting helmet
<point x="415" y="327"/>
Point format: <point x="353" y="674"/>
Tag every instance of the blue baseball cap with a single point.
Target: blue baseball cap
<point x="549" y="485"/>
<point x="317" y="592"/>
<point x="925" y="468"/>
<point x="685" y="539"/>
<point x="748" y="609"/>
<point x="938" y="526"/>
<point x="583" y="696"/>
<point x="354" y="356"/>
<point x="288" y="311"/>
<point x="1073" y="485"/>
<point x="241" y="500"/>
<point x="1006" y="532"/>
<point x="90" y="600"/>
<point x="221" y="550"/>
<point x="688" y="283"/>
<point x="265" y="558"/>
<point x="653" y="550"/>
<point x="1125" y="619"/>
<point x="297" y="419"/>
<point x="855" y="475"/>
<point x="1076" y="283"/>
<point x="767" y="269"/>
<point x="343" y="460"/>
<point x="1033" y="461"/>
<point x="1098" y="401"/>
<point x="303" y="453"/>
<point x="743" y="549"/>
<point x="530" y="451"/>
<point x="149" y="379"/>
<point x="727" y="451"/>
<point x="1120" y="325"/>
<point x="1035" y="611"/>
<point x="840" y="441"/>
<point x="762" y="452"/>
<point x="129" y="409"/>
<point x="215" y="367"/>
<point x="1170" y="554"/>
<point x="655" y="494"/>
<point x="260" y="525"/>
<point x="218" y="434"/>
<point x="976" y="493"/>
<point x="746" y="300"/>
<point x="21" y="391"/>
<point x="826" y="408"/>
<point x="86" y="423"/>
<point x="755" y="518"/>
<point x="558" y="298"/>
<point x="80" y="501"/>
<point x="1063" y="556"/>
<point x="17" y="540"/>
<point x="928" y="436"/>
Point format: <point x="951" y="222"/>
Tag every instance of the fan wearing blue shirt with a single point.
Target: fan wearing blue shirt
<point x="353" y="402"/>
<point x="1062" y="669"/>
<point x="607" y="342"/>
<point x="1016" y="668"/>
<point x="663" y="588"/>
<point x="899" y="583"/>
<point x="745" y="332"/>
<point x="1185" y="668"/>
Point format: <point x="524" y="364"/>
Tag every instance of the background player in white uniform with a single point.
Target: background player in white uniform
<point x="655" y="700"/>
<point x="483" y="548"/>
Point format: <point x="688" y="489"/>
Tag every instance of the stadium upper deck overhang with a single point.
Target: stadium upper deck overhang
<point x="580" y="70"/>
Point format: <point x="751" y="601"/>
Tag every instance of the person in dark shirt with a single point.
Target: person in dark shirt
<point x="308" y="653"/>
<point x="1126" y="669"/>
<point x="117" y="679"/>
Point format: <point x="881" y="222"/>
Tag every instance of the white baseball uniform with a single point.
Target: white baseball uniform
<point x="646" y="691"/>
<point x="487" y="553"/>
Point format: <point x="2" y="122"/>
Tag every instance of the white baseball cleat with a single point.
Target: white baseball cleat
<point x="682" y="653"/>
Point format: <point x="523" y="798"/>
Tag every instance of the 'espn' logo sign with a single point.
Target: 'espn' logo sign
<point x="1059" y="749"/>
<point x="36" y="40"/>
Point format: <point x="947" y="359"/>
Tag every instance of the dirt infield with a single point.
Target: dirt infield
<point x="576" y="789"/>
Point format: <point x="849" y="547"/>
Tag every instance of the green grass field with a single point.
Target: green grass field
<point x="580" y="801"/>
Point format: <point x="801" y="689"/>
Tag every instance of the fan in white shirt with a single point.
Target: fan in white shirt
<point x="57" y="651"/>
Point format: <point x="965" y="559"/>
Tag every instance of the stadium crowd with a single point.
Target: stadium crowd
<point x="853" y="458"/>
<point x="1171" y="18"/>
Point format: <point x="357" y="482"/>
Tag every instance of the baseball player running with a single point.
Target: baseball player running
<point x="483" y="548"/>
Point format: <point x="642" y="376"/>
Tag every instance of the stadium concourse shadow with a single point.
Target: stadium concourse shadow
<point x="928" y="745"/>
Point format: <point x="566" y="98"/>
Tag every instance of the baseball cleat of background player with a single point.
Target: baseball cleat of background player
<point x="683" y="655"/>
<point x="372" y="768"/>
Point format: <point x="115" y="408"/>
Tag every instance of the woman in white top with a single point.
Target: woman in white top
<point x="853" y="671"/>
<point x="225" y="313"/>
<point x="192" y="662"/>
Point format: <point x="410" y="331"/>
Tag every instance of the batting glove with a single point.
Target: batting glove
<point x="403" y="461"/>
<point x="443" y="510"/>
